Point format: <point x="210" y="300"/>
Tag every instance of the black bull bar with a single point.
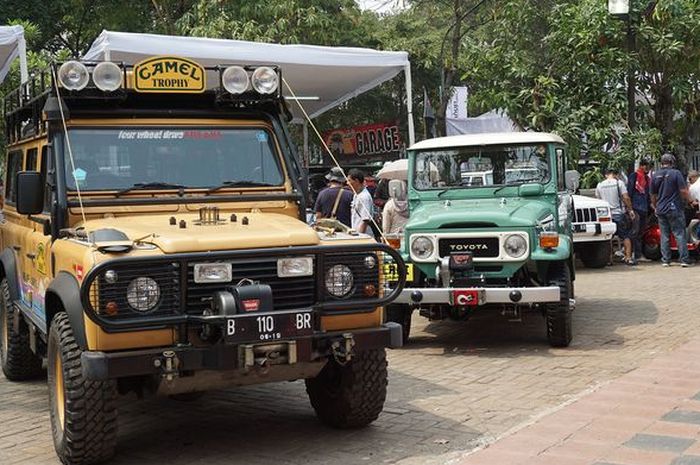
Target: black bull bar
<point x="322" y="306"/>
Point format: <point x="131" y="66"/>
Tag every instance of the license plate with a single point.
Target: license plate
<point x="466" y="298"/>
<point x="391" y="272"/>
<point x="269" y="326"/>
<point x="579" y="228"/>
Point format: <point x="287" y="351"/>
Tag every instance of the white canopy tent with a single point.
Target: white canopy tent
<point x="12" y="45"/>
<point x="321" y="77"/>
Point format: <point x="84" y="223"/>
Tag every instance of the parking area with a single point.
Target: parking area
<point x="454" y="386"/>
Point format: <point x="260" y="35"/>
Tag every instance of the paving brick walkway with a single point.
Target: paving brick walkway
<point x="650" y="416"/>
<point x="456" y="386"/>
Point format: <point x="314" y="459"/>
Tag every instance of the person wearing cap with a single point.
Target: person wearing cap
<point x="334" y="201"/>
<point x="614" y="191"/>
<point x="669" y="193"/>
<point x="638" y="185"/>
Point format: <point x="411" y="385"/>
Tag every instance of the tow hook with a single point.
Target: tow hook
<point x="342" y="350"/>
<point x="169" y="365"/>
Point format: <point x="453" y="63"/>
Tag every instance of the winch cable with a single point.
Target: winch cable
<point x="68" y="145"/>
<point x="328" y="150"/>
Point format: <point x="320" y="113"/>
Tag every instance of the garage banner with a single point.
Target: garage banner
<point x="364" y="141"/>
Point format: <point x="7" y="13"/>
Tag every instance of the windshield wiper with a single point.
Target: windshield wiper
<point x="226" y="184"/>
<point x="150" y="185"/>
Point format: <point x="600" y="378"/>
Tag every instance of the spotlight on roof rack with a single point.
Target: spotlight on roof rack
<point x="235" y="80"/>
<point x="107" y="76"/>
<point x="73" y="75"/>
<point x="265" y="80"/>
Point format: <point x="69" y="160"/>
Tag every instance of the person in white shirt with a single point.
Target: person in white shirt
<point x="362" y="209"/>
<point x="614" y="191"/>
<point x="694" y="189"/>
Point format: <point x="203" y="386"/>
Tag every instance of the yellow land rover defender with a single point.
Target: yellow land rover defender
<point x="152" y="241"/>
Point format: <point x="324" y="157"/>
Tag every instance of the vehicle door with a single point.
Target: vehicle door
<point x="38" y="238"/>
<point x="564" y="200"/>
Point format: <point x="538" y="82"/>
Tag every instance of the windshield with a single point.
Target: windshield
<point x="479" y="167"/>
<point x="121" y="158"/>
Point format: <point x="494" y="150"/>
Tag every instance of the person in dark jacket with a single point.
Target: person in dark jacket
<point x="638" y="188"/>
<point x="334" y="201"/>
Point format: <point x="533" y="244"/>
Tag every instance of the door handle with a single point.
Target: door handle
<point x="31" y="256"/>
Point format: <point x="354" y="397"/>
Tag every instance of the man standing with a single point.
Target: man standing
<point x="694" y="189"/>
<point x="638" y="185"/>
<point x="614" y="191"/>
<point x="334" y="201"/>
<point x="362" y="204"/>
<point x="668" y="193"/>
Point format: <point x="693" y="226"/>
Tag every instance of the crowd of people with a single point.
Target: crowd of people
<point x="356" y="207"/>
<point x="664" y="194"/>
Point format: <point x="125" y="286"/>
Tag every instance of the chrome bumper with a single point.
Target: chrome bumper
<point x="490" y="295"/>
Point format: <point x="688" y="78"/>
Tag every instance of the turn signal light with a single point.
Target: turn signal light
<point x="111" y="308"/>
<point x="604" y="219"/>
<point x="394" y="242"/>
<point x="370" y="290"/>
<point x="549" y="240"/>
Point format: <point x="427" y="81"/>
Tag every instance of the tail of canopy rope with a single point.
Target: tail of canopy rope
<point x="330" y="153"/>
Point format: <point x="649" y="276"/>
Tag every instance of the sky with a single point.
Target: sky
<point x="380" y="6"/>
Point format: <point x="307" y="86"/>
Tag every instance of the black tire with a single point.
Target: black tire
<point x="652" y="251"/>
<point x="558" y="315"/>
<point x="83" y="411"/>
<point x="596" y="254"/>
<point x="351" y="395"/>
<point x="401" y="314"/>
<point x="16" y="357"/>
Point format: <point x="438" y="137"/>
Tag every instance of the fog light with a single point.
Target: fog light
<point x="265" y="80"/>
<point x="107" y="76"/>
<point x="73" y="75"/>
<point x="235" y="80"/>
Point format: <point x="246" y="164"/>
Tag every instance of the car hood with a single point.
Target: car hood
<point x="503" y="212"/>
<point x="581" y="201"/>
<point x="263" y="230"/>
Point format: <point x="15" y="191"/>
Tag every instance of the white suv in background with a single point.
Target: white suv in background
<point x="593" y="230"/>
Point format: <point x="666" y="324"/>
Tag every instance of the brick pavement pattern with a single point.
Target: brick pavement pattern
<point x="455" y="387"/>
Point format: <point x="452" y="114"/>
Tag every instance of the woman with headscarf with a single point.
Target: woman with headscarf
<point x="395" y="215"/>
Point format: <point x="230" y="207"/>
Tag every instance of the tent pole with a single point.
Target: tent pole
<point x="23" y="72"/>
<point x="305" y="130"/>
<point x="409" y="105"/>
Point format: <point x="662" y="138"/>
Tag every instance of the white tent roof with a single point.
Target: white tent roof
<point x="12" y="46"/>
<point x="325" y="76"/>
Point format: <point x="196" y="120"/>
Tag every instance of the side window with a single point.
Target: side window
<point x="30" y="163"/>
<point x="14" y="164"/>
<point x="44" y="177"/>
<point x="561" y="169"/>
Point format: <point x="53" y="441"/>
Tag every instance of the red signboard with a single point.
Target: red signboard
<point x="364" y="141"/>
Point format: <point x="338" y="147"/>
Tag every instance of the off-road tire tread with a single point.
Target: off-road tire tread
<point x="652" y="253"/>
<point x="558" y="315"/>
<point x="360" y="399"/>
<point x="596" y="255"/>
<point x="90" y="431"/>
<point x="20" y="363"/>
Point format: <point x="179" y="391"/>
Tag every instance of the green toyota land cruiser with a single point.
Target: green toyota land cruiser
<point x="490" y="229"/>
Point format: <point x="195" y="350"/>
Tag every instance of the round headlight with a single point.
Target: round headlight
<point x="107" y="76"/>
<point x="265" y="80"/>
<point x="339" y="280"/>
<point x="422" y="247"/>
<point x="73" y="75"/>
<point x="143" y="294"/>
<point x="515" y="246"/>
<point x="235" y="80"/>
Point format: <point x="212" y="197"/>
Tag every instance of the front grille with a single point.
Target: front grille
<point x="287" y="293"/>
<point x="585" y="215"/>
<point x="166" y="275"/>
<point x="480" y="247"/>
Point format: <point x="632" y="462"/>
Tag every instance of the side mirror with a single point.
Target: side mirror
<point x="571" y="180"/>
<point x="30" y="192"/>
